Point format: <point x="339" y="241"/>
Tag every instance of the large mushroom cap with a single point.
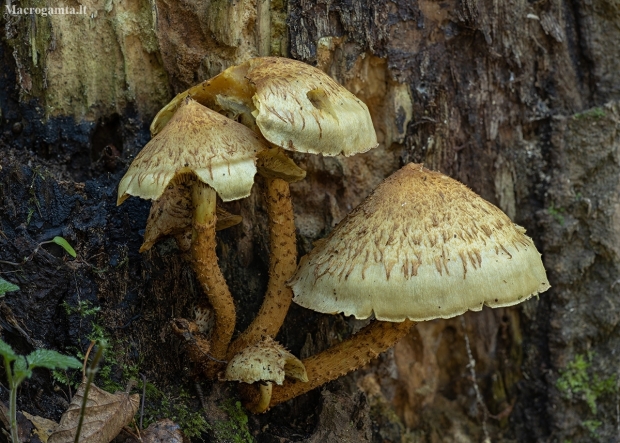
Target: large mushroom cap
<point x="219" y="151"/>
<point x="296" y="106"/>
<point x="422" y="246"/>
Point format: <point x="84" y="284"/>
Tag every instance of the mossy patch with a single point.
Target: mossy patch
<point x="235" y="429"/>
<point x="579" y="382"/>
<point x="594" y="113"/>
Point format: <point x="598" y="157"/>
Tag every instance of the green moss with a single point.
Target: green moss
<point x="556" y="213"/>
<point x="592" y="426"/>
<point x="235" y="429"/>
<point x="577" y="381"/>
<point x="594" y="113"/>
<point x="84" y="308"/>
<point x="159" y="405"/>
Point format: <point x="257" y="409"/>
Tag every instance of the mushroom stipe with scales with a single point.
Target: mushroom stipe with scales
<point x="421" y="246"/>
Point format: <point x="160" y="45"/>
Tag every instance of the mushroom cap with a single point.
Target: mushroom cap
<point x="266" y="360"/>
<point x="296" y="106"/>
<point x="300" y="108"/>
<point x="421" y="246"/>
<point x="219" y="151"/>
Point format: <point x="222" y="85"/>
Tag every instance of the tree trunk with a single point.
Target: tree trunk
<point x="516" y="99"/>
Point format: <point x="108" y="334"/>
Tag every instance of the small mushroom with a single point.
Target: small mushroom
<point x="219" y="155"/>
<point x="264" y="362"/>
<point x="421" y="246"/>
<point x="295" y="107"/>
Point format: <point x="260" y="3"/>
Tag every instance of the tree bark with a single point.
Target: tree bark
<point x="518" y="100"/>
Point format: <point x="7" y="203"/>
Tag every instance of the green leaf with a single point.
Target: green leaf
<point x="7" y="352"/>
<point x="7" y="286"/>
<point x="65" y="245"/>
<point x="20" y="370"/>
<point x="45" y="358"/>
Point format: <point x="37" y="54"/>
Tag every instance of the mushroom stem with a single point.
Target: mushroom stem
<point x="343" y="358"/>
<point x="208" y="271"/>
<point x="257" y="396"/>
<point x="283" y="261"/>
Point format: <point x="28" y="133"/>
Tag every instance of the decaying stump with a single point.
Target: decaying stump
<point x="516" y="99"/>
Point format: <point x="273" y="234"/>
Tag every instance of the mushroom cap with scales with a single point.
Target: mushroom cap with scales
<point x="218" y="151"/>
<point x="266" y="361"/>
<point x="296" y="106"/>
<point x="421" y="246"/>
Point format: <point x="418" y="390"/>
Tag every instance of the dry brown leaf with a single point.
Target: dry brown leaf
<point x="43" y="426"/>
<point x="104" y="416"/>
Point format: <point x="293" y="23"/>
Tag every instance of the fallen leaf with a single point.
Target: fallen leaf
<point x="43" y="427"/>
<point x="104" y="416"/>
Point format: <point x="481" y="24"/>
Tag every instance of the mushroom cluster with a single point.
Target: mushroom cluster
<point x="282" y="105"/>
<point x="421" y="246"/>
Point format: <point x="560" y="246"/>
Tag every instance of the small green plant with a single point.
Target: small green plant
<point x="556" y="213"/>
<point x="57" y="240"/>
<point x="576" y="382"/>
<point x="160" y="404"/>
<point x="64" y="244"/>
<point x="7" y="286"/>
<point x="18" y="368"/>
<point x="84" y="308"/>
<point x="29" y="216"/>
<point x="62" y="377"/>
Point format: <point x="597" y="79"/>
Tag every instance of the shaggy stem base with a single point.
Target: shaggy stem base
<point x="343" y="358"/>
<point x="208" y="273"/>
<point x="283" y="261"/>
